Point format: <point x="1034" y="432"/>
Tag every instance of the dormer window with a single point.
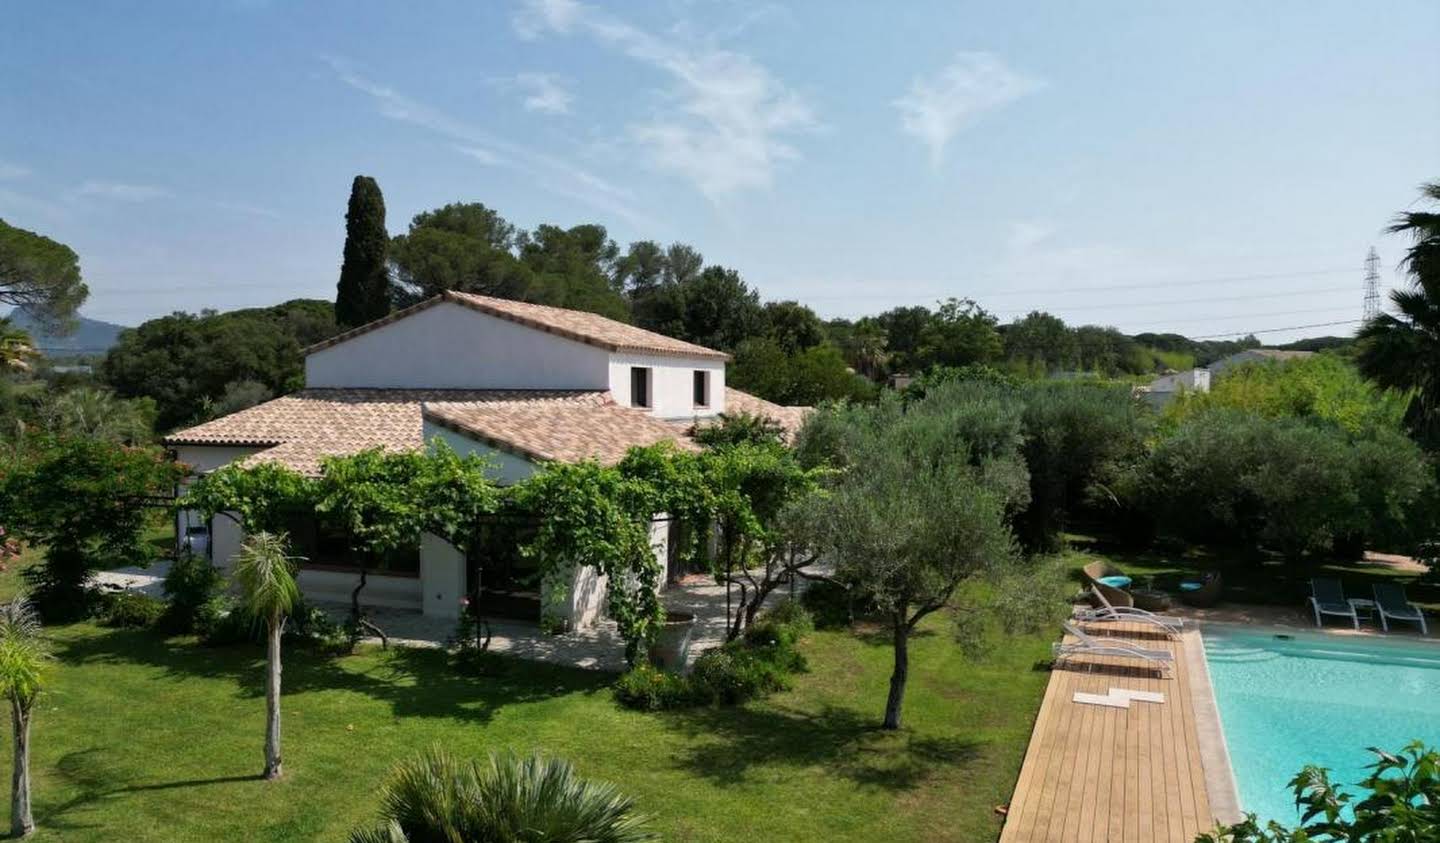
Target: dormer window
<point x="702" y="388"/>
<point x="639" y="386"/>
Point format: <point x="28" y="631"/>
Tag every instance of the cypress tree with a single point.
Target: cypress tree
<point x="363" y="294"/>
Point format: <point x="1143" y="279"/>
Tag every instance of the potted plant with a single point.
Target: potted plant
<point x="671" y="647"/>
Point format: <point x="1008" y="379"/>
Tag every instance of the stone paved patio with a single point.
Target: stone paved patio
<point x="600" y="648"/>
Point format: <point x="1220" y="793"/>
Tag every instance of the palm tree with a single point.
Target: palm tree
<point x="268" y="593"/>
<point x="1402" y="350"/>
<point x="865" y="348"/>
<point x="16" y="348"/>
<point x="23" y="653"/>
<point x="95" y="414"/>
<point x="509" y="800"/>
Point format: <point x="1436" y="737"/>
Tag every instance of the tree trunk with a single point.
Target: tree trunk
<point x="900" y="674"/>
<point x="272" y="703"/>
<point x="21" y="823"/>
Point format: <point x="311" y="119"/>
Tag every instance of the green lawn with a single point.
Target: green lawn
<point x="142" y="738"/>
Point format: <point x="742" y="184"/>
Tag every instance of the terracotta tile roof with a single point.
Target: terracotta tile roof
<point x="299" y="430"/>
<point x="567" y="431"/>
<point x="578" y="325"/>
<point x="790" y="419"/>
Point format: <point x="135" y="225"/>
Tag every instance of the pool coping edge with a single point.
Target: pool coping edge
<point x="1214" y="752"/>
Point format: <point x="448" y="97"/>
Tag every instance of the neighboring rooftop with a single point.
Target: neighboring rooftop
<point x="1270" y="355"/>
<point x="578" y="325"/>
<point x="299" y="430"/>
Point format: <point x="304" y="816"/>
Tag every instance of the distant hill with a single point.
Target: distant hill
<point x="1319" y="344"/>
<point x="91" y="336"/>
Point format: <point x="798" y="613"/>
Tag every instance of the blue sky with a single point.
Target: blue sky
<point x="1225" y="165"/>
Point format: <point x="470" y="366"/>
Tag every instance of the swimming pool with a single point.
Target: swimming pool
<point x="1316" y="698"/>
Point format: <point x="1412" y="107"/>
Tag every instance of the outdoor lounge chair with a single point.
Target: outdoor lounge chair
<point x="1328" y="598"/>
<point x="1106" y="611"/>
<point x="1096" y="572"/>
<point x="1204" y="591"/>
<point x="1086" y="645"/>
<point x="1391" y="603"/>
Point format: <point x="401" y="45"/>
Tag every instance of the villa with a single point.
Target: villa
<point x="521" y="384"/>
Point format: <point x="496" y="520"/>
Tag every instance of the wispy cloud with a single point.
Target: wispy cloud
<point x="120" y="191"/>
<point x="246" y="208"/>
<point x="10" y="171"/>
<point x="484" y="156"/>
<point x="728" y="121"/>
<point x="1027" y="234"/>
<point x="543" y="92"/>
<point x="550" y="172"/>
<point x="938" y="107"/>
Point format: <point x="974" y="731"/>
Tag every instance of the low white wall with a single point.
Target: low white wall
<point x="225" y="537"/>
<point x="442" y="577"/>
<point x="587" y="598"/>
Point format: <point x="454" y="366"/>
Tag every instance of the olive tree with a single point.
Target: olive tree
<point x="917" y="508"/>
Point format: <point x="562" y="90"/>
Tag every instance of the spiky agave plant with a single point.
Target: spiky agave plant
<point x="437" y="798"/>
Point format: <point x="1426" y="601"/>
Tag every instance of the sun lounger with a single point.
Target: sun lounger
<point x="1392" y="604"/>
<point x="1087" y="645"/>
<point x="1109" y="612"/>
<point x="1328" y="598"/>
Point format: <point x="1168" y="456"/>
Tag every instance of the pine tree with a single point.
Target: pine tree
<point x="363" y="294"/>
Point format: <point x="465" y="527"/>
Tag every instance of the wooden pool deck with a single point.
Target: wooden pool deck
<point x="1114" y="775"/>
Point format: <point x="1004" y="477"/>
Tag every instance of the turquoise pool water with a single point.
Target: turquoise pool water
<point x="1319" y="699"/>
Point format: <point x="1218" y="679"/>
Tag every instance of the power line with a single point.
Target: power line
<point x="1278" y="330"/>
<point x="1226" y="279"/>
<point x="1205" y="300"/>
<point x="1192" y="320"/>
<point x="1194" y="282"/>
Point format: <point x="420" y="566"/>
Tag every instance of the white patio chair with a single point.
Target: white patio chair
<point x="1087" y="645"/>
<point x="1110" y="612"/>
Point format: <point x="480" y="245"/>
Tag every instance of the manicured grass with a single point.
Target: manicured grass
<point x="1248" y="579"/>
<point x="142" y="738"/>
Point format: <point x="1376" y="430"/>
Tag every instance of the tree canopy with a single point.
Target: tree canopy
<point x="188" y="362"/>
<point x="40" y="275"/>
<point x="84" y="500"/>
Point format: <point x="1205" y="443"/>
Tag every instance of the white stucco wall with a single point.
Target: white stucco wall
<point x="449" y="346"/>
<point x="508" y="468"/>
<point x="225" y="537"/>
<point x="442" y="577"/>
<point x="1190" y="380"/>
<point x="672" y="384"/>
<point x="203" y="458"/>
